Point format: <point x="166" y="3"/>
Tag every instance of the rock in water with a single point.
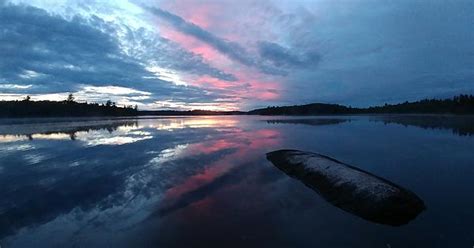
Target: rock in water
<point x="349" y="188"/>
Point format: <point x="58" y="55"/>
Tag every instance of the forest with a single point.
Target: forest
<point x="462" y="104"/>
<point x="66" y="108"/>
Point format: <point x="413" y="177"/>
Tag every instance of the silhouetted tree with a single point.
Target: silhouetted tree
<point x="70" y="98"/>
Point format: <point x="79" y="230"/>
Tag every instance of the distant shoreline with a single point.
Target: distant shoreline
<point x="458" y="105"/>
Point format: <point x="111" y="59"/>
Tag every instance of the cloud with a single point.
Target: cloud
<point x="231" y="49"/>
<point x="15" y="86"/>
<point x="281" y="56"/>
<point x="44" y="53"/>
<point x="161" y="52"/>
<point x="249" y="53"/>
<point x="52" y="52"/>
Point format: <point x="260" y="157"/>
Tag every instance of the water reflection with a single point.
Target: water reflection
<point x="310" y="121"/>
<point x="90" y="183"/>
<point x="171" y="124"/>
<point x="90" y="134"/>
<point x="460" y="125"/>
<point x="157" y="182"/>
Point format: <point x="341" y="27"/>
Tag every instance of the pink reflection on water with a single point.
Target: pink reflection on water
<point x="247" y="144"/>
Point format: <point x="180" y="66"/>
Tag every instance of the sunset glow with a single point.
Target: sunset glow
<point x="234" y="55"/>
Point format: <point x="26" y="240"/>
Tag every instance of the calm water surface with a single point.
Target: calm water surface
<point x="205" y="181"/>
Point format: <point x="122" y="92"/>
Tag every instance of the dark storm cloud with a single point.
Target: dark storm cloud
<point x="231" y="49"/>
<point x="54" y="54"/>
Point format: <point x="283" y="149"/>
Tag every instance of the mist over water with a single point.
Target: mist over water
<point x="205" y="181"/>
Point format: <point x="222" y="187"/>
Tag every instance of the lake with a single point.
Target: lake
<point x="205" y="181"/>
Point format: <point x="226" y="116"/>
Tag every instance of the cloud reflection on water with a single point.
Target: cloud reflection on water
<point x="120" y="182"/>
<point x="112" y="133"/>
<point x="74" y="178"/>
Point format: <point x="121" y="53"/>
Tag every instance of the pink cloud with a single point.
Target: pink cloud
<point x="209" y="54"/>
<point x="250" y="82"/>
<point x="248" y="17"/>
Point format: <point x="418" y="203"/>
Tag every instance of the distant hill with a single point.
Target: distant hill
<point x="308" y="109"/>
<point x="462" y="104"/>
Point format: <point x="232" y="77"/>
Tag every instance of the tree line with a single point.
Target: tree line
<point x="67" y="108"/>
<point x="462" y="104"/>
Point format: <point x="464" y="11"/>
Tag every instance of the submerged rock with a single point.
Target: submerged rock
<point x="349" y="188"/>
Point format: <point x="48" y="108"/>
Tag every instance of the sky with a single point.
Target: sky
<point x="236" y="55"/>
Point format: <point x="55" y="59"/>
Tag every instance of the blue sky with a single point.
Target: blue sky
<point x="225" y="55"/>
